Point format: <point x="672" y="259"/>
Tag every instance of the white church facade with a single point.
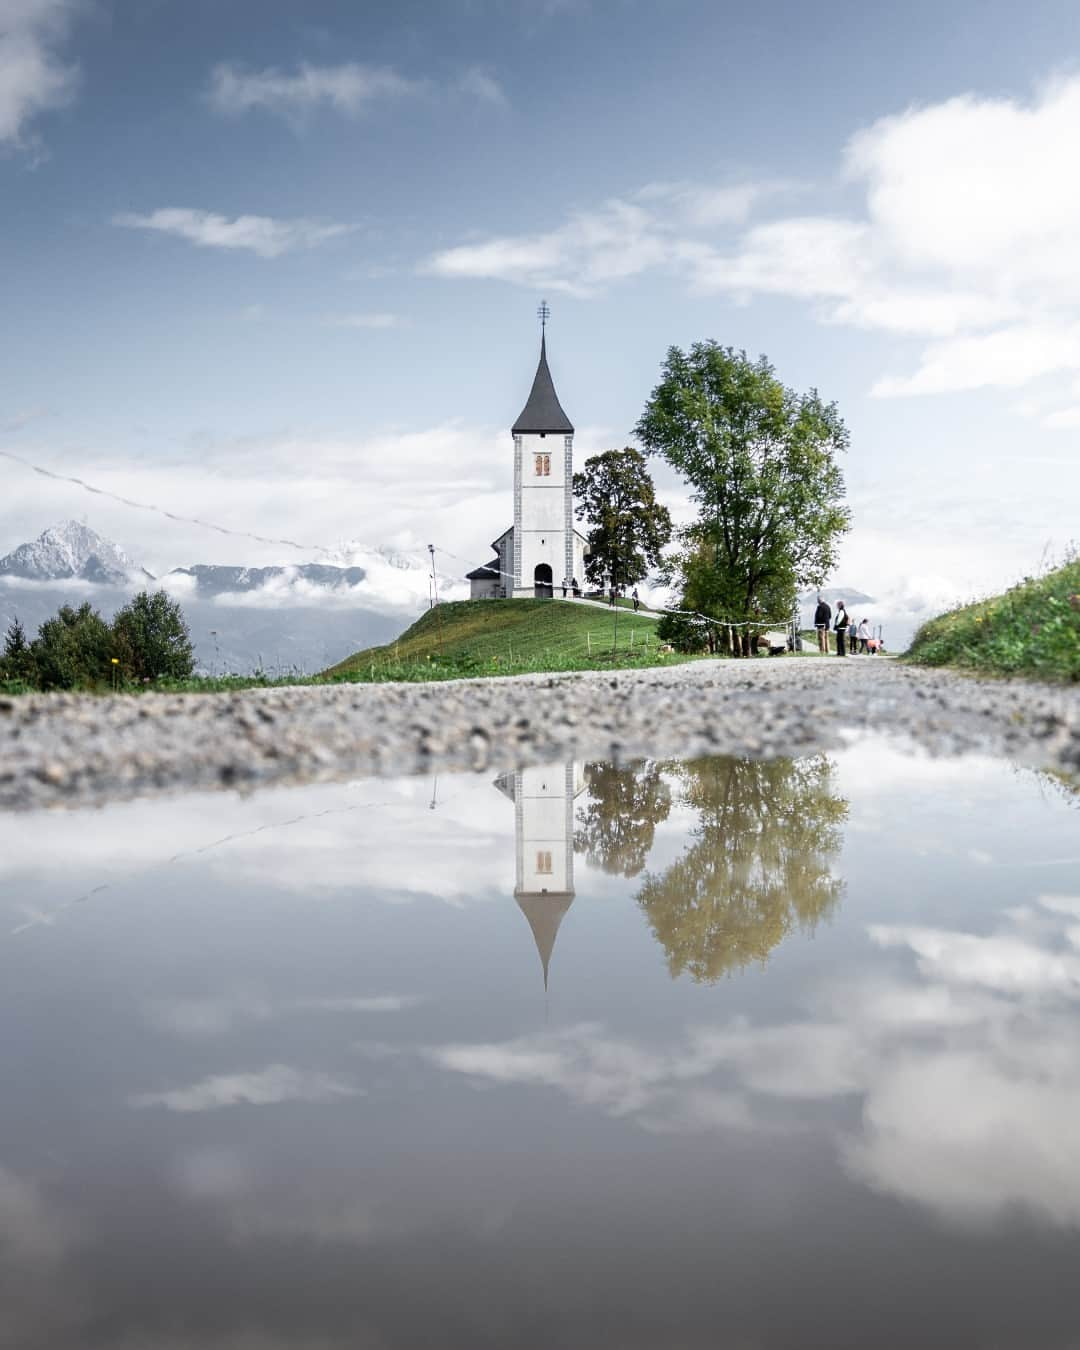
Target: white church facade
<point x="541" y="552"/>
<point x="543" y="800"/>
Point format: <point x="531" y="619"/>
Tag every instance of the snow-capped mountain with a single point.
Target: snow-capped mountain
<point x="293" y="616"/>
<point x="212" y="579"/>
<point x="69" y="551"/>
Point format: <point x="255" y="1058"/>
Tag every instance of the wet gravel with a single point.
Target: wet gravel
<point x="76" y="749"/>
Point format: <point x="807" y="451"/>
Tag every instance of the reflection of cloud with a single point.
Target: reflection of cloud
<point x="377" y="1003"/>
<point x="31" y="1232"/>
<point x="222" y="1014"/>
<point x="40" y="1306"/>
<point x="1004" y="963"/>
<point x="661" y="1085"/>
<point x="268" y="1087"/>
<point x="968" y="1073"/>
<point x="261" y="841"/>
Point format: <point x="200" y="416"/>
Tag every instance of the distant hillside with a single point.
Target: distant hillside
<point x="541" y="634"/>
<point x="1033" y="629"/>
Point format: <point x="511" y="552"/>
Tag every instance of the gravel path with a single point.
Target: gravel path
<point x="76" y="749"/>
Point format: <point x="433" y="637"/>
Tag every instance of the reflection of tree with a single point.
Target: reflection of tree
<point x="616" y="826"/>
<point x="759" y="866"/>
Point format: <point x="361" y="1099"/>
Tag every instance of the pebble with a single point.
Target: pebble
<point x="58" y="749"/>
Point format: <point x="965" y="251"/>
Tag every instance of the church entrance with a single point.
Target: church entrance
<point x="542" y="579"/>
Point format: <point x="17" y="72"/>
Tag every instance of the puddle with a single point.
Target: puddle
<point x="719" y="1053"/>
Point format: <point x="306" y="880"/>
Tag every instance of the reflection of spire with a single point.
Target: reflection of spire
<point x="544" y="913"/>
<point x="544" y="847"/>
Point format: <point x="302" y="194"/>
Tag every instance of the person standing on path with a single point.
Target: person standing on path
<point x="841" y="627"/>
<point x="611" y="597"/>
<point x="863" y="634"/>
<point x="822" y="616"/>
<point x="565" y="583"/>
<point x="636" y="599"/>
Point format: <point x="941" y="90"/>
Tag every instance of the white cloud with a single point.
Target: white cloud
<point x="376" y="319"/>
<point x="350" y="88"/>
<point x="593" y="249"/>
<point x="449" y="484"/>
<point x="263" y="235"/>
<point x="482" y="85"/>
<point x="32" y="78"/>
<point x="271" y="1086"/>
<point x="347" y="88"/>
<point x="967" y="236"/>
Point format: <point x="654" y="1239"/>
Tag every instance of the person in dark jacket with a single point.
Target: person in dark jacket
<point x="841" y="627"/>
<point x="822" y="615"/>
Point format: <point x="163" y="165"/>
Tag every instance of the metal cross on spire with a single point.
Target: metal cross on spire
<point x="543" y="314"/>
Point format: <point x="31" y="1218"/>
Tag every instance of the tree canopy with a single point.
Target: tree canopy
<point x="617" y="824"/>
<point x="761" y="464"/>
<point x="152" y="638"/>
<point x="148" y="639"/>
<point x="759" y="866"/>
<point x="628" y="527"/>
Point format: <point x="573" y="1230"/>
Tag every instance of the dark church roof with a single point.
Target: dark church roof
<point x="543" y="412"/>
<point x="490" y="569"/>
<point x="544" y="911"/>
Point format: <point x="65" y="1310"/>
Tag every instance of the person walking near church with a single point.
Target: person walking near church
<point x="636" y="599"/>
<point x="841" y="626"/>
<point x="863" y="634"/>
<point x="822" y="616"/>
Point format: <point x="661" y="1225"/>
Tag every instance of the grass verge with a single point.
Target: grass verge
<point x="1033" y="629"/>
<point x="502" y="637"/>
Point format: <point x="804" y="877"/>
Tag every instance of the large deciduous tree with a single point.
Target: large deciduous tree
<point x="759" y="867"/>
<point x="628" y="527"/>
<point x="762" y="465"/>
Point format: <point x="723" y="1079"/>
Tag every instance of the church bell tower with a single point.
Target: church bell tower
<point x="545" y="556"/>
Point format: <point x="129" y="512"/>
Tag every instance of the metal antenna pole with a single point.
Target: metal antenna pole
<point x="435" y="581"/>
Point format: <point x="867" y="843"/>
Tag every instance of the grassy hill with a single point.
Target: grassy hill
<point x="493" y="637"/>
<point x="1033" y="629"/>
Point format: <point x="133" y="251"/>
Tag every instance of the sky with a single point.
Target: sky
<point x="276" y="265"/>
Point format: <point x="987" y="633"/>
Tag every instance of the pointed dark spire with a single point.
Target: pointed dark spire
<point x="544" y="911"/>
<point x="543" y="412"/>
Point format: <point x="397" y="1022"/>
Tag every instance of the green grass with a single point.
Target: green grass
<point x="502" y="637"/>
<point x="1033" y="629"/>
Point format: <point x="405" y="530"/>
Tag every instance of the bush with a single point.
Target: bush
<point x="684" y="632"/>
<point x="72" y="650"/>
<point x="152" y="639"/>
<point x="147" y="640"/>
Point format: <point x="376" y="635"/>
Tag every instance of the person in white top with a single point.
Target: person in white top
<point x="863" y="634"/>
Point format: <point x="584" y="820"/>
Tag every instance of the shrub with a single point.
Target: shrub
<point x="72" y="650"/>
<point x="152" y="639"/>
<point x="684" y="632"/>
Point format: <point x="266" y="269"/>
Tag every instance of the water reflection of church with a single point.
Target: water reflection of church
<point x="757" y="864"/>
<point x="544" y="846"/>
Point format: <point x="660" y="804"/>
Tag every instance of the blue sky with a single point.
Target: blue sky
<point x="277" y="264"/>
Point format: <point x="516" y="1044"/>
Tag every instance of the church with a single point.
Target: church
<point x="543" y="799"/>
<point x="542" y="551"/>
